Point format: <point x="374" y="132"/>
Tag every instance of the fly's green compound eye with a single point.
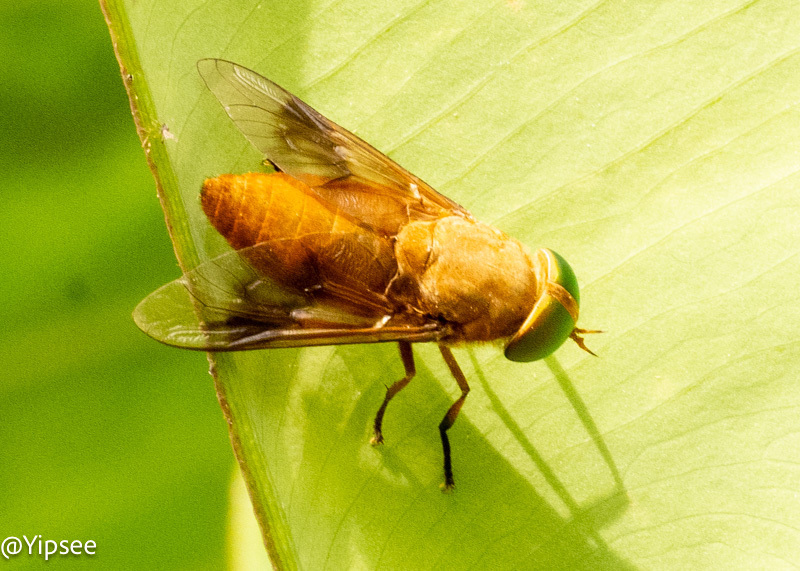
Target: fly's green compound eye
<point x="554" y="315"/>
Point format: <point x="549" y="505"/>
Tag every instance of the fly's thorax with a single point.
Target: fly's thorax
<point x="467" y="273"/>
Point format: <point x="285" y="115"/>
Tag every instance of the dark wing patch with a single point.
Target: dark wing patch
<point x="306" y="145"/>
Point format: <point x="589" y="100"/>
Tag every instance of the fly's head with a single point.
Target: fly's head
<point x="554" y="315"/>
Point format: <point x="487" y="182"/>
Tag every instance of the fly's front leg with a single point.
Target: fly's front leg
<point x="408" y="362"/>
<point x="451" y="415"/>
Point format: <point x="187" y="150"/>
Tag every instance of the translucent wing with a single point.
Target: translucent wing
<point x="224" y="305"/>
<point x="341" y="167"/>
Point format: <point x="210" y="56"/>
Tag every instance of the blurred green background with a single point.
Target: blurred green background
<point x="106" y="435"/>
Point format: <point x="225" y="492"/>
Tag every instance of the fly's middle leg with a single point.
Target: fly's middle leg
<point x="452" y="414"/>
<point x="408" y="362"/>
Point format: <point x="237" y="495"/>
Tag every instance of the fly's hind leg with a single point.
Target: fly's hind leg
<point x="451" y="415"/>
<point x="408" y="362"/>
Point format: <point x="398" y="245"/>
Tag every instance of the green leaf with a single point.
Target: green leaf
<point x="654" y="146"/>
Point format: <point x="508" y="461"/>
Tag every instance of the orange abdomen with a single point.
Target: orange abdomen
<point x="302" y="241"/>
